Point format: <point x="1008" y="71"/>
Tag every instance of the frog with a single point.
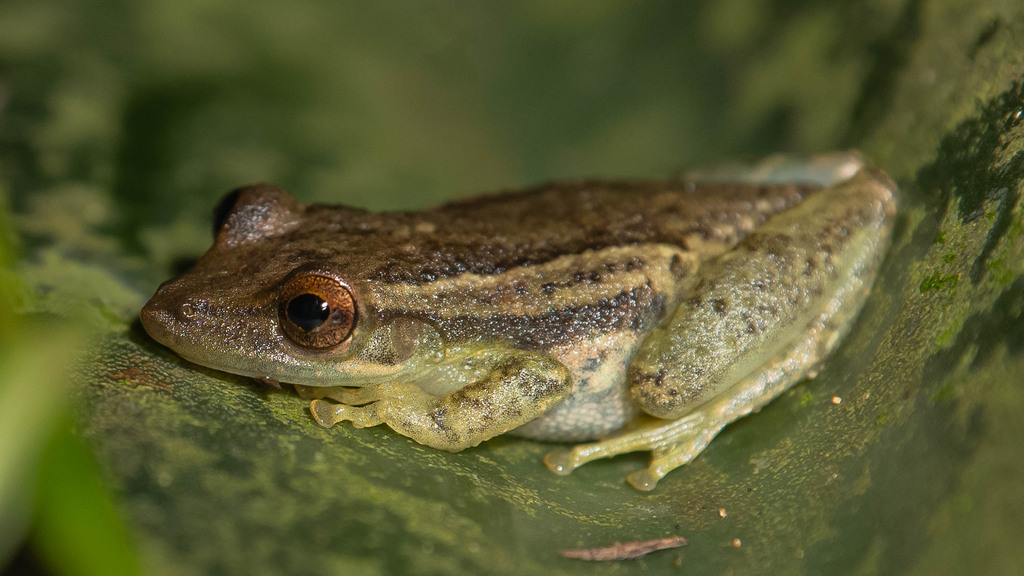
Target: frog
<point x="604" y="316"/>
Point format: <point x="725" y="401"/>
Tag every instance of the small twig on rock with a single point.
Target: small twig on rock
<point x="624" y="550"/>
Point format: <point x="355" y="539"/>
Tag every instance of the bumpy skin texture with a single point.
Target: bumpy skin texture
<point x="556" y="312"/>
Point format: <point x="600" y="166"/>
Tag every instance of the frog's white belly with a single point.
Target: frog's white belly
<point x="600" y="402"/>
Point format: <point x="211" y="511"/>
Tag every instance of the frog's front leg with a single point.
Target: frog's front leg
<point x="515" y="388"/>
<point x="763" y="317"/>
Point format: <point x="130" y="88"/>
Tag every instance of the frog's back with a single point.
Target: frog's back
<point x="495" y="233"/>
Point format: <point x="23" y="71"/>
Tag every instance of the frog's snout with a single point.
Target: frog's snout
<point x="163" y="316"/>
<point x="157" y="321"/>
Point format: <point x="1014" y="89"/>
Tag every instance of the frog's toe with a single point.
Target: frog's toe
<point x="643" y="479"/>
<point x="560" y="462"/>
<point x="325" y="413"/>
<point x="328" y="414"/>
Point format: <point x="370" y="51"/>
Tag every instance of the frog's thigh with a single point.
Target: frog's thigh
<point x="808" y="267"/>
<point x="517" y="389"/>
<point x="761" y="318"/>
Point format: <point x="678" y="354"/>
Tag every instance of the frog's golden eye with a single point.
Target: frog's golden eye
<point x="317" y="311"/>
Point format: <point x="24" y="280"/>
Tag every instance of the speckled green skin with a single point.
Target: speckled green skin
<point x="559" y="312"/>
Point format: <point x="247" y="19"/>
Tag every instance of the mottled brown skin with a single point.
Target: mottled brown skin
<point x="551" y="221"/>
<point x="537" y="310"/>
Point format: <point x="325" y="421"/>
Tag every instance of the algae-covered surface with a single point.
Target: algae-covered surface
<point x="124" y="122"/>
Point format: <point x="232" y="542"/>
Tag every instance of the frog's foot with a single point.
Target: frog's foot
<point x="328" y="414"/>
<point x="671" y="443"/>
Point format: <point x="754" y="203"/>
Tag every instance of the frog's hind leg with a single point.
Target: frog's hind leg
<point x="762" y="317"/>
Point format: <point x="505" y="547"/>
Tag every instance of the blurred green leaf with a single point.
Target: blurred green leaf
<point x="78" y="529"/>
<point x="33" y="396"/>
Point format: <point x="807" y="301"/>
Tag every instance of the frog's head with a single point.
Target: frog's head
<point x="268" y="301"/>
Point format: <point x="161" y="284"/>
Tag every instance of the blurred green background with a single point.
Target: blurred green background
<point x="123" y="122"/>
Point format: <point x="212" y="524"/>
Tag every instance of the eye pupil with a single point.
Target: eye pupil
<point x="308" y="311"/>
